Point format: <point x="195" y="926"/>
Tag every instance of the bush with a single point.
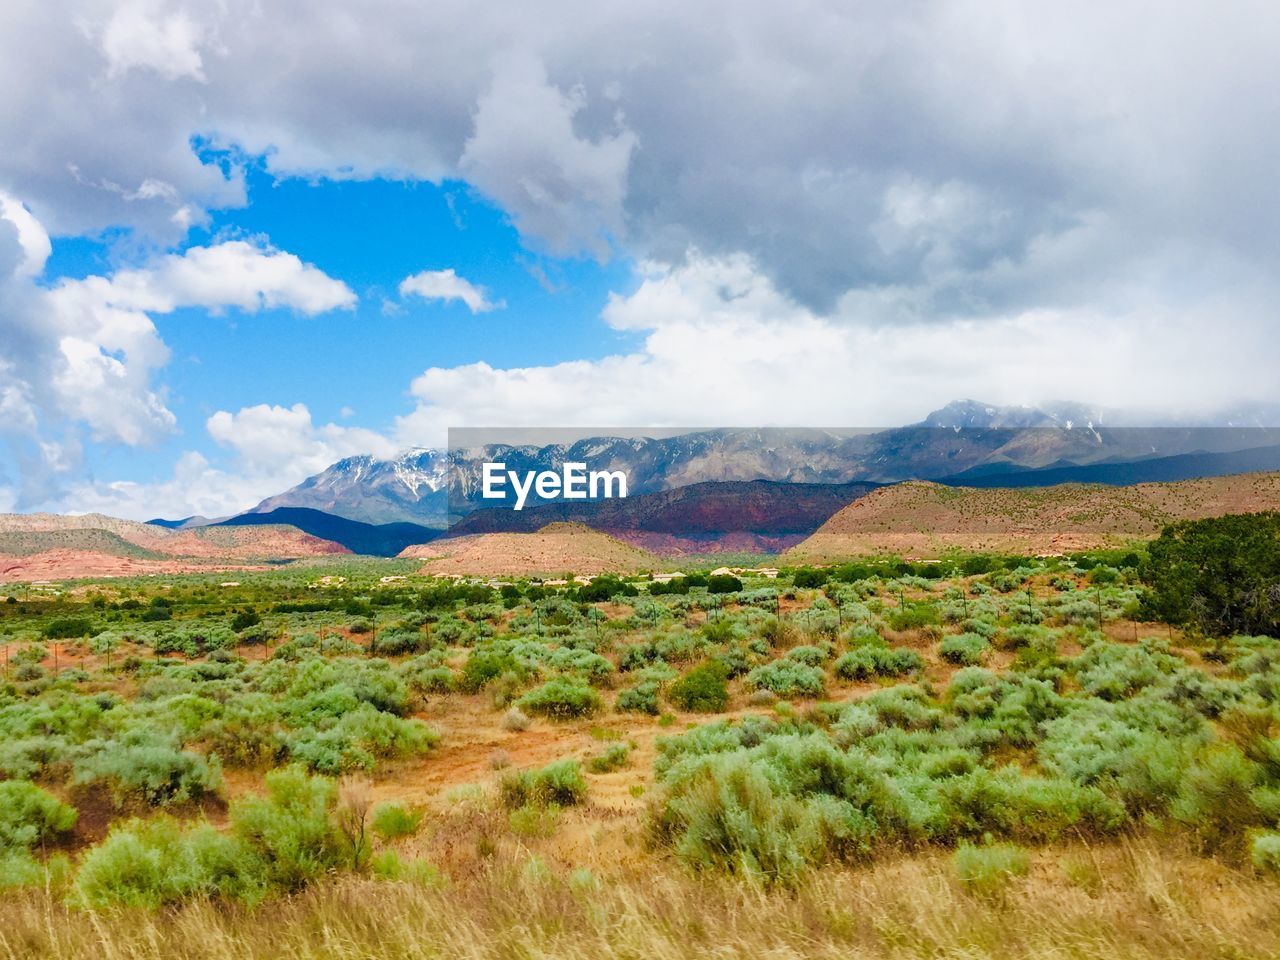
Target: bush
<point x="154" y="773"/>
<point x="702" y="689"/>
<point x="67" y="628"/>
<point x="244" y="620"/>
<point x="1219" y="574"/>
<point x="987" y="871"/>
<point x="723" y="583"/>
<point x="561" y="698"/>
<point x="531" y="821"/>
<point x="809" y="655"/>
<point x="876" y="660"/>
<point x="1216" y="798"/>
<point x="809" y="578"/>
<point x="605" y="587"/>
<point x="515" y="720"/>
<point x="290" y="832"/>
<point x="30" y="816"/>
<point x="398" y="641"/>
<point x="559" y="783"/>
<point x="913" y="616"/>
<point x="642" y="698"/>
<point x="358" y="739"/>
<point x="1265" y="852"/>
<point x="614" y="757"/>
<point x="787" y="678"/>
<point x="277" y="843"/>
<point x="482" y="666"/>
<point x="392" y="820"/>
<point x="151" y="863"/>
<point x="966" y="649"/>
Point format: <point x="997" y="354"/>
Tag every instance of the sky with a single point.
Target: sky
<point x="242" y="240"/>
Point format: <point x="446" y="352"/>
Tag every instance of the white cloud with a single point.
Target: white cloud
<point x="777" y="362"/>
<point x="446" y="285"/>
<point x="844" y="146"/>
<point x="561" y="188"/>
<point x="235" y="273"/>
<point x="272" y="448"/>
<point x="142" y="34"/>
<point x="83" y="355"/>
<point x="284" y="444"/>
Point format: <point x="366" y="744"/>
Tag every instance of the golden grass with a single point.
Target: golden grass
<point x="1133" y="900"/>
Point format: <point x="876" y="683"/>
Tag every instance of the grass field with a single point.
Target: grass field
<point x="994" y="757"/>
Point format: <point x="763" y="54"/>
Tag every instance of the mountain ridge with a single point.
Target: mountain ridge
<point x="963" y="439"/>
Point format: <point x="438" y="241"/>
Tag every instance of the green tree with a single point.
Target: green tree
<point x="1221" y="575"/>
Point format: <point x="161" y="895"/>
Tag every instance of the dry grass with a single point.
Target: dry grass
<point x="1134" y="900"/>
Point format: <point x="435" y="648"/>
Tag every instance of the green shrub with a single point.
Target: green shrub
<point x="153" y="773"/>
<point x="67" y="628"/>
<point x="1218" y="574"/>
<point x="809" y="578"/>
<point x="392" y="820"/>
<point x="1113" y="671"/>
<point x="642" y="698"/>
<point x="1265" y="852"/>
<point x="702" y="689"/>
<point x="244" y="620"/>
<point x="988" y="871"/>
<point x="30" y="816"/>
<point x="433" y="680"/>
<point x="752" y="812"/>
<point x="808" y="655"/>
<point x="290" y="831"/>
<point x="913" y="616"/>
<point x="723" y="583"/>
<point x="787" y="678"/>
<point x="361" y="737"/>
<point x="605" y="587"/>
<point x="877" y="660"/>
<point x="20" y="869"/>
<point x="560" y="783"/>
<point x="534" y="821"/>
<point x="966" y="649"/>
<point x="483" y="666"/>
<point x="614" y="757"/>
<point x="389" y="865"/>
<point x="151" y="863"/>
<point x="561" y="698"/>
<point x="1216" y="798"/>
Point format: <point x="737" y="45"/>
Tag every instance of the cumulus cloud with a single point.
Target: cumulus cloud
<point x="83" y="355"/>
<point x="561" y="188"/>
<point x="142" y="35"/>
<point x="282" y="442"/>
<point x="842" y="146"/>
<point x="777" y="362"/>
<point x="271" y="448"/>
<point x="446" y="285"/>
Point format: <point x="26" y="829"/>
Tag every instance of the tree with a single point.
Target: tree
<point x="1220" y="575"/>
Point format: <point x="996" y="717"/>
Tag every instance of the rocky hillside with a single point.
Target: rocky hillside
<point x="756" y="516"/>
<point x="922" y="519"/>
<point x="555" y="550"/>
<point x="52" y="547"/>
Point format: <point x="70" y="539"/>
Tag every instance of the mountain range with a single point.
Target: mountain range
<point x="964" y="440"/>
<point x="752" y="490"/>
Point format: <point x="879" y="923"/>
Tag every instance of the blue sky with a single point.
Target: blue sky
<point x="832" y="215"/>
<point x="349" y="365"/>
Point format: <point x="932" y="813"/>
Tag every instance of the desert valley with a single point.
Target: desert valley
<point x="968" y="716"/>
